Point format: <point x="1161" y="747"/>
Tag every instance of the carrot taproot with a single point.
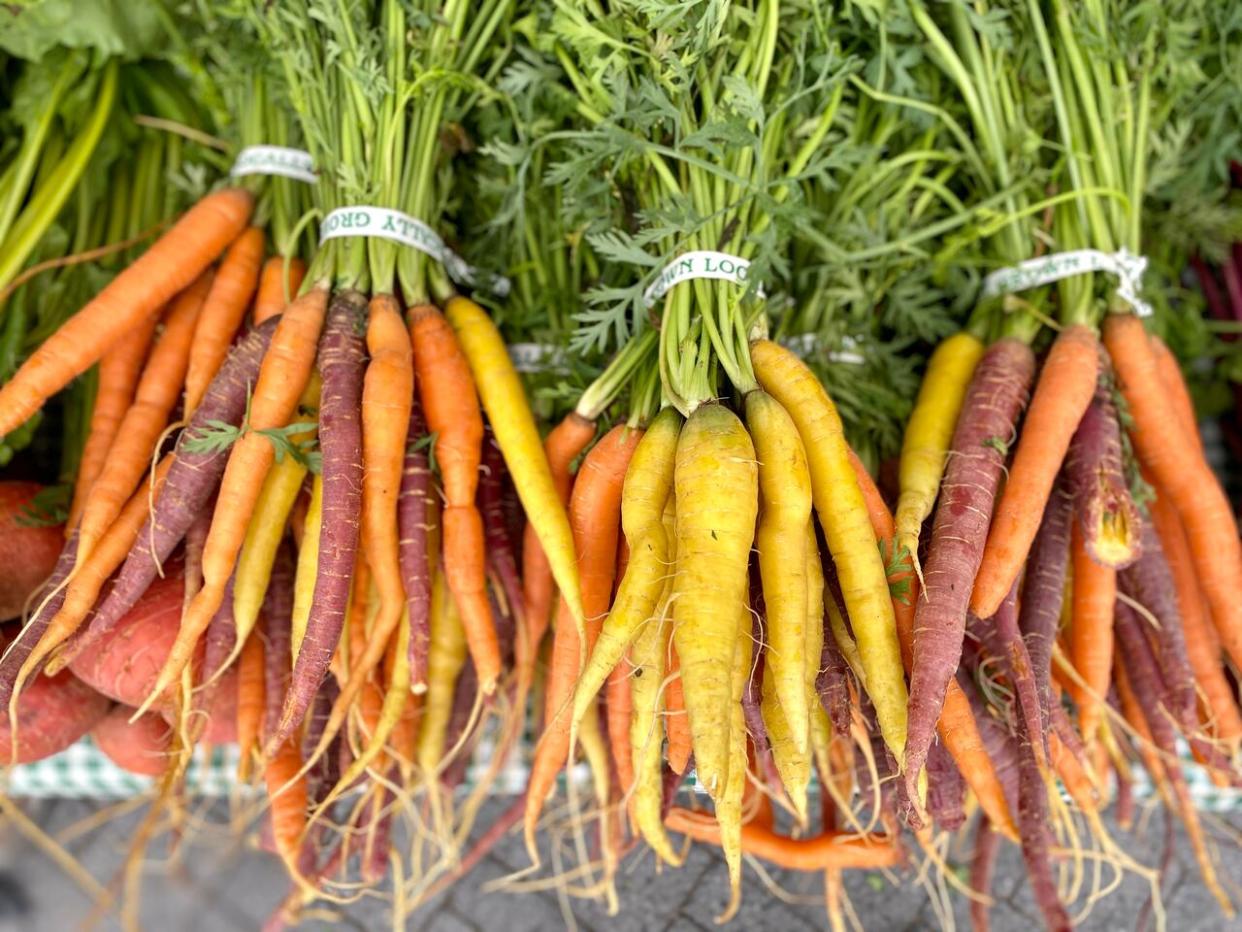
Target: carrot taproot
<point x="946" y="790"/>
<point x="925" y="446"/>
<point x="118" y="376"/>
<point x="53" y="597"/>
<point x="716" y="485"/>
<point x="564" y="444"/>
<point x="282" y="378"/>
<point x="618" y="709"/>
<point x="501" y="558"/>
<point x="174" y="261"/>
<point x="288" y="798"/>
<point x="158" y="389"/>
<point x="595" y="515"/>
<point x="1202" y="648"/>
<point x="279" y="281"/>
<point x="414" y="515"/>
<point x="841" y="850"/>
<point x="223" y="310"/>
<point x="451" y="406"/>
<point x="250" y="704"/>
<point x="192" y="479"/>
<point x="1065" y="389"/>
<point x="341" y="363"/>
<point x="956" y="727"/>
<point x="644" y="496"/>
<point x="1108" y="518"/>
<point x="792" y="763"/>
<point x="387" y="394"/>
<point x="851" y="541"/>
<point x="785" y="510"/>
<point x="993" y="402"/>
<point x="308" y="567"/>
<point x="1176" y="462"/>
<point x="1091" y="635"/>
<point x="504" y="397"/>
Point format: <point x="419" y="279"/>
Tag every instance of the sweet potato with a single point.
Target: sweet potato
<point x="27" y="552"/>
<point x="140" y="747"/>
<point x="124" y="663"/>
<point x="52" y="713"/>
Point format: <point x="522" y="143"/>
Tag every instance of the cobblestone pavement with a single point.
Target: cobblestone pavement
<point x="221" y="885"/>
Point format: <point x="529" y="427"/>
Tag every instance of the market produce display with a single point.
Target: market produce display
<point x="766" y="425"/>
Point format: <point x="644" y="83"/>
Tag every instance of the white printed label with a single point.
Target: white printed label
<point x="275" y="160"/>
<point x="389" y="224"/>
<point x="536" y="357"/>
<point x="803" y="345"/>
<point x="1127" y="267"/>
<point x="702" y="263"/>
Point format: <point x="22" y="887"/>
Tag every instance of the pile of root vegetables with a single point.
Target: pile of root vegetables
<point x="882" y="534"/>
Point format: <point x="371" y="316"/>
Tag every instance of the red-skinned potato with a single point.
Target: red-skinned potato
<point x="27" y="554"/>
<point x="140" y="747"/>
<point x="52" y="713"/>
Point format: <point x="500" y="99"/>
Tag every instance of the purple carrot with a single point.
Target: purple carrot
<point x="1044" y="591"/>
<point x="997" y="394"/>
<point x="752" y="709"/>
<point x="946" y="790"/>
<point x="670" y="785"/>
<point x="1034" y="818"/>
<point x="1002" y="640"/>
<point x="52" y="590"/>
<point x="195" y="541"/>
<point x="500" y="553"/>
<point x="997" y="740"/>
<point x="221" y="635"/>
<point x="832" y="684"/>
<point x="1150" y="583"/>
<point x="275" y="620"/>
<point x="463" y="704"/>
<point x="191" y="481"/>
<point x="1096" y="478"/>
<point x="506" y="626"/>
<point x="342" y="355"/>
<point x="323" y="773"/>
<point x="982" y="867"/>
<point x="412" y="519"/>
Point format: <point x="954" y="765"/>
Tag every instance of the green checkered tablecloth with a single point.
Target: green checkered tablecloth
<point x="83" y="772"/>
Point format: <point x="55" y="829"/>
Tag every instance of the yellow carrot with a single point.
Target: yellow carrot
<point x="647" y="731"/>
<point x="504" y="398"/>
<point x="729" y="806"/>
<point x="785" y="497"/>
<point x="446" y="656"/>
<point x="308" y="568"/>
<point x="929" y="432"/>
<point x="851" y="540"/>
<point x="716" y="485"/>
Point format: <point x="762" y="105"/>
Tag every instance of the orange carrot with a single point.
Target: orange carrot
<point x="618" y="705"/>
<point x="1176" y="463"/>
<point x="1064" y="391"/>
<point x="1202" y="645"/>
<point x="1091" y="634"/>
<point x="595" y="516"/>
<point x="250" y="702"/>
<point x="563" y="445"/>
<point x="287" y="795"/>
<point x="118" y="375"/>
<point x="1172" y="381"/>
<point x="282" y="378"/>
<point x="222" y="314"/>
<point x="157" y="393"/>
<point x="170" y="265"/>
<point x="957" y="727"/>
<point x="451" y="406"/>
<point x="676" y="721"/>
<point x="272" y="296"/>
<point x="818" y="852"/>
